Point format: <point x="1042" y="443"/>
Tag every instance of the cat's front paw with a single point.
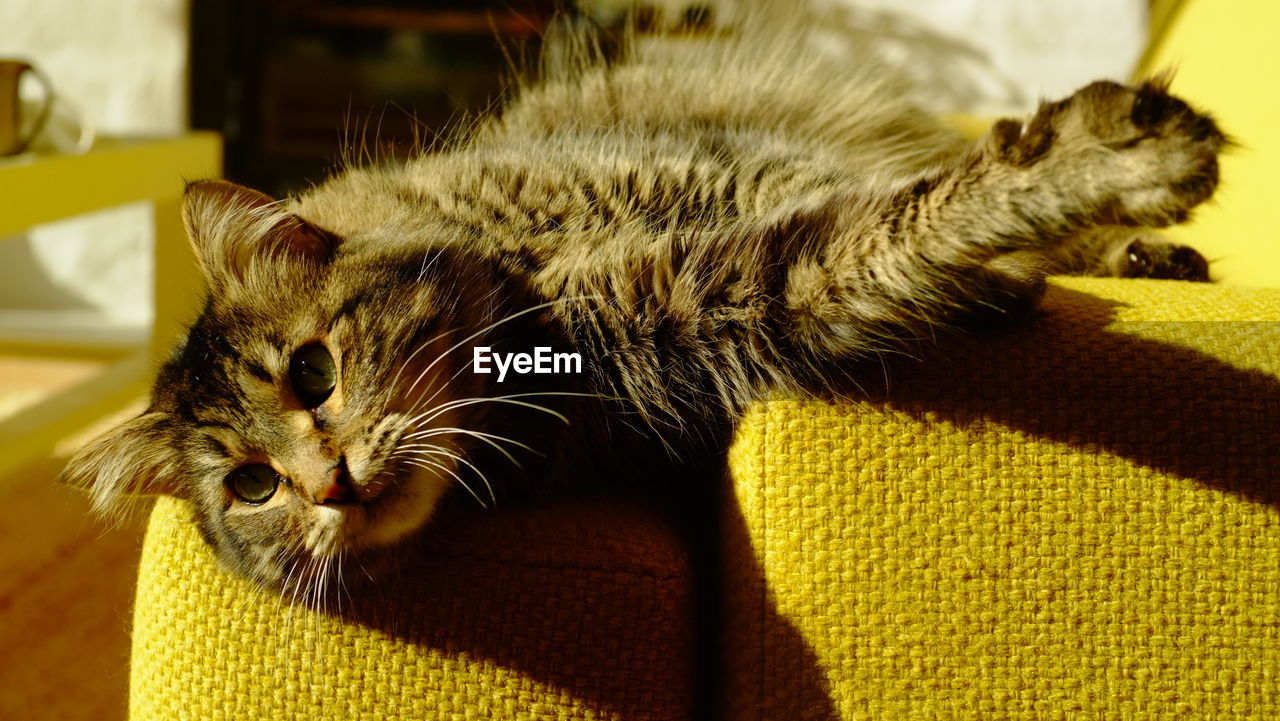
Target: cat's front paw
<point x="1124" y="155"/>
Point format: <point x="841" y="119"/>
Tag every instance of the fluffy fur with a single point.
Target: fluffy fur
<point x="703" y="218"/>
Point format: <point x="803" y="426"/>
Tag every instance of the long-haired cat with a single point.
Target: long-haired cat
<point x="703" y="219"/>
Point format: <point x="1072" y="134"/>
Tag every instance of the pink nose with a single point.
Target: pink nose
<point x="339" y="488"/>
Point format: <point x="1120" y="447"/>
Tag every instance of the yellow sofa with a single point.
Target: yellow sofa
<point x="578" y="611"/>
<point x="1076" y="519"/>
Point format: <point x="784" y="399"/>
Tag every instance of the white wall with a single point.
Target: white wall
<point x="1017" y="52"/>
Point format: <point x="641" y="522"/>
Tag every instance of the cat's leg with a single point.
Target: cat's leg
<point x="1107" y="155"/>
<point x="1120" y="252"/>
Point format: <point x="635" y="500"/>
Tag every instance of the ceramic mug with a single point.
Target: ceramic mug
<point x="12" y="138"/>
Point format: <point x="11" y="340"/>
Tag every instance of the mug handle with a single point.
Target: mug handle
<point x="45" y="109"/>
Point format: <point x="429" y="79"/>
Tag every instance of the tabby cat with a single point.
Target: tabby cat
<point x="703" y="219"/>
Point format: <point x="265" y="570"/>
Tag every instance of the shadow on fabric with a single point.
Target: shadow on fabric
<point x="602" y="631"/>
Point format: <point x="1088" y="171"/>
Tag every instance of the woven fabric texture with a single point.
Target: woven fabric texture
<point x="577" y="612"/>
<point x="1079" y="519"/>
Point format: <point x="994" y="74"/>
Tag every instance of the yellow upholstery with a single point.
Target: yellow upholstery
<point x="577" y="612"/>
<point x="1225" y="56"/>
<point x="1079" y="519"/>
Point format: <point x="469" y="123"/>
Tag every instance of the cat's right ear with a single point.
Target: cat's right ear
<point x="240" y="234"/>
<point x="135" y="458"/>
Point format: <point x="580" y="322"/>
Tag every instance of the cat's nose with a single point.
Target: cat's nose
<point x="338" y="489"/>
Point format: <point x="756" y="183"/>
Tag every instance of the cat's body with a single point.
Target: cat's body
<point x="704" y="221"/>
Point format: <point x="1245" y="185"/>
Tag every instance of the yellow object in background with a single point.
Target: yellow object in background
<point x="1225" y="53"/>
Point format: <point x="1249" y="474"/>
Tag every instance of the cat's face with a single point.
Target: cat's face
<point x="306" y="414"/>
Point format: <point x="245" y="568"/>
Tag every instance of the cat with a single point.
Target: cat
<point x="703" y="220"/>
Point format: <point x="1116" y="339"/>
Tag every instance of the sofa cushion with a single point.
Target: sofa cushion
<point x="1076" y="519"/>
<point x="575" y="612"/>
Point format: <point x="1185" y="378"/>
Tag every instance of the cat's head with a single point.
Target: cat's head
<point x="307" y="412"/>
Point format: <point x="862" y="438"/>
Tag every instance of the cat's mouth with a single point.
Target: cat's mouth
<point x="390" y="506"/>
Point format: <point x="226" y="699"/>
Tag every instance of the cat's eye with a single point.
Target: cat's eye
<point x="254" y="484"/>
<point x="312" y="374"/>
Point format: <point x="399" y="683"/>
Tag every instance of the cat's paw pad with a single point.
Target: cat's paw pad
<point x="1169" y="261"/>
<point x="1132" y="156"/>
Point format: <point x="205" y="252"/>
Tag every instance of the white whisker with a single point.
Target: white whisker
<point x="450" y="454"/>
<point x="435" y="411"/>
<point x="421" y="347"/>
<point x="486" y="329"/>
<point x="488" y="438"/>
<point x="432" y="465"/>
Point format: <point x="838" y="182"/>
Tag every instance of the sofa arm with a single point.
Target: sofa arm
<point x="1077" y="519"/>
<point x="572" y="612"/>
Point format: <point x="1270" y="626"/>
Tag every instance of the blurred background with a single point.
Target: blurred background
<point x="287" y="85"/>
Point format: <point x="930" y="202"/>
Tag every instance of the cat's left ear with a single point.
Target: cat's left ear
<point x="135" y="458"/>
<point x="238" y="232"/>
